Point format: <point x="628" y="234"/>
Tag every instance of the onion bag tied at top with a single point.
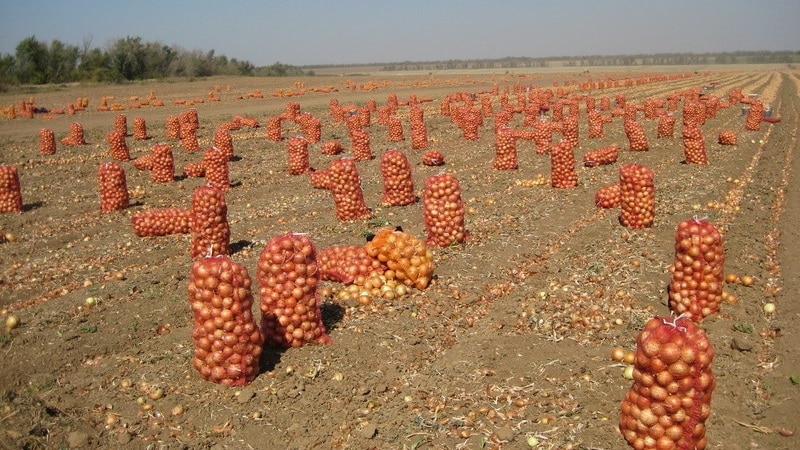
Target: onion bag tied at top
<point x="670" y="399"/>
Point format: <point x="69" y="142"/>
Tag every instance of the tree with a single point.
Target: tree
<point x="31" y="61"/>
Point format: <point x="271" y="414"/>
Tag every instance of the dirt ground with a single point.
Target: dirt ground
<point x="509" y="347"/>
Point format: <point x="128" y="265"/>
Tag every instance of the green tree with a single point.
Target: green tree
<point x="31" y="61"/>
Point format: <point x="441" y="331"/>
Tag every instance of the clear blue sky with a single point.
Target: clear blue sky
<point x="363" y="31"/>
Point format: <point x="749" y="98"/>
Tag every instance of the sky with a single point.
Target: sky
<point x="322" y="32"/>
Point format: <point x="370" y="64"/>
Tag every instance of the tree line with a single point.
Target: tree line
<point x="125" y="59"/>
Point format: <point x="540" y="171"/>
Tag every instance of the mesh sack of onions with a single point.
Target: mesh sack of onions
<point x="140" y="129"/>
<point x="349" y="264"/>
<point x="395" y="129"/>
<point x="361" y="148"/>
<point x="637" y="196"/>
<point x="47" y="142"/>
<point x="695" y="287"/>
<point x="419" y="134"/>
<point x="666" y="126"/>
<point x="433" y="158"/>
<point x="287" y="286"/>
<point x="226" y="337"/>
<point x="344" y="182"/>
<point x="595" y="124"/>
<point x="163" y="164"/>
<point x="505" y="150"/>
<point x="274" y="128"/>
<point x="443" y="211"/>
<point x="670" y="399"/>
<point x="634" y="131"/>
<point x="605" y="103"/>
<point x="408" y="259"/>
<point x="473" y="119"/>
<point x="601" y="156"/>
<point x="189" y="119"/>
<point x="755" y="116"/>
<point x="75" y="136"/>
<point x="113" y="187"/>
<point x="364" y="116"/>
<point x="562" y="166"/>
<point x="189" y="139"/>
<point x="569" y="132"/>
<point x="331" y="147"/>
<point x="121" y="124"/>
<point x="144" y="162"/>
<point x="693" y="113"/>
<point x="173" y="127"/>
<point x="10" y="191"/>
<point x="211" y="232"/>
<point x="297" y="151"/>
<point x="162" y="222"/>
<point x="310" y="127"/>
<point x="694" y="147"/>
<point x="215" y="168"/>
<point x="727" y="137"/>
<point x="194" y="169"/>
<point x="224" y="142"/>
<point x="118" y="147"/>
<point x="398" y="185"/>
<point x="543" y="136"/>
<point x="336" y="111"/>
<point x="292" y="110"/>
<point x="620" y="101"/>
<point x="608" y="196"/>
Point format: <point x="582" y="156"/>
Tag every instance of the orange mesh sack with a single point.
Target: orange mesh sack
<point x="407" y="258"/>
<point x="113" y="187"/>
<point x="10" y="191"/>
<point x="398" y="185"/>
<point x="443" y="211"/>
<point x="211" y="232"/>
<point x="670" y="399"/>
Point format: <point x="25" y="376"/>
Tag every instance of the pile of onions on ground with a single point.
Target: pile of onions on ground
<point x="562" y="166"/>
<point x="398" y="184"/>
<point x="47" y="142"/>
<point x="162" y="222"/>
<point x="608" y="196"/>
<point x="118" y="148"/>
<point x="695" y="287"/>
<point x="694" y="146"/>
<point x="637" y="196"/>
<point x="505" y="149"/>
<point x="10" y="190"/>
<point x="211" y="232"/>
<point x="227" y="340"/>
<point x="112" y="186"/>
<point x="443" y="211"/>
<point x="287" y="284"/>
<point x="727" y="137"/>
<point x="601" y="156"/>
<point x="408" y="259"/>
<point x="670" y="399"/>
<point x="344" y="182"/>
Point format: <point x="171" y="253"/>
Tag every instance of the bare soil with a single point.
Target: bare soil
<point x="509" y="347"/>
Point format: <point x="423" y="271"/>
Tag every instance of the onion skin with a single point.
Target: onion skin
<point x="669" y="402"/>
<point x="10" y="190"/>
<point x="695" y="288"/>
<point x="227" y="340"/>
<point x="287" y="283"/>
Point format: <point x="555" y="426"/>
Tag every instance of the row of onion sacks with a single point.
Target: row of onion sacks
<point x="670" y="399"/>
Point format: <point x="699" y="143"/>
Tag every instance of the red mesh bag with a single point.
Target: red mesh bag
<point x="601" y="156"/>
<point x="433" y="158"/>
<point x="395" y="129"/>
<point x="349" y="264"/>
<point x="215" y="169"/>
<point x="297" y="150"/>
<point x="562" y="166"/>
<point x="47" y="142"/>
<point x="755" y="116"/>
<point x="636" y="138"/>
<point x="695" y="288"/>
<point x="398" y="185"/>
<point x="670" y="399"/>
<point x="162" y="222"/>
<point x="189" y="139"/>
<point x="443" y="211"/>
<point x="224" y="142"/>
<point x="226" y="337"/>
<point x="311" y="127"/>
<point x="211" y="232"/>
<point x="345" y="184"/>
<point x="694" y="146"/>
<point x="163" y="164"/>
<point x="10" y="191"/>
<point x="287" y="286"/>
<point x="637" y="196"/>
<point x="118" y="147"/>
<point x="319" y="179"/>
<point x="419" y="132"/>
<point x="140" y="129"/>
<point x="75" y="136"/>
<point x="332" y="147"/>
<point x="608" y="196"/>
<point x="727" y="137"/>
<point x="595" y="124"/>
<point x="407" y="259"/>
<point x="274" y="128"/>
<point x="666" y="126"/>
<point x="543" y="136"/>
<point x="173" y="127"/>
<point x="113" y="187"/>
<point x="505" y="150"/>
<point x="361" y="148"/>
<point x="569" y="131"/>
<point x="121" y="124"/>
<point x="194" y="169"/>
